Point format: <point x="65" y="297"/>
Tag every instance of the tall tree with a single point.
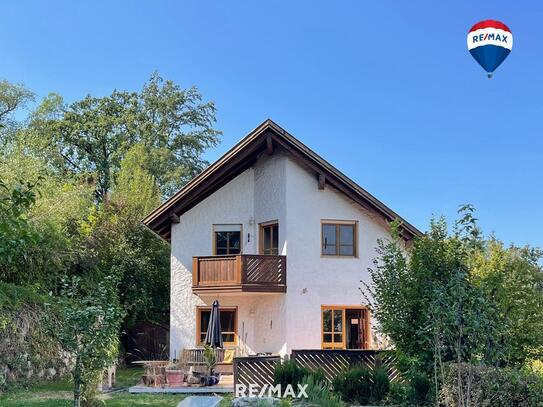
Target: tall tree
<point x="459" y="297"/>
<point x="12" y="98"/>
<point x="177" y="127"/>
<point x="91" y="137"/>
<point x="15" y="234"/>
<point x="136" y="192"/>
<point x="512" y="278"/>
<point x="52" y="219"/>
<point x="129" y="149"/>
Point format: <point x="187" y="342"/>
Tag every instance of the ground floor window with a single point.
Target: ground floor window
<point x="345" y="327"/>
<point x="229" y="324"/>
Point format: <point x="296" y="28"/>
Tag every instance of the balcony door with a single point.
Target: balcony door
<point x="269" y="238"/>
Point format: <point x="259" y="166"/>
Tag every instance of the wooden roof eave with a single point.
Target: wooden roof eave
<point x="343" y="183"/>
<point x="242" y="156"/>
<point x="230" y="165"/>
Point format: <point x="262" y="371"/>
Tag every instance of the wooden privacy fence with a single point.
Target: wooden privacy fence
<point x="255" y="370"/>
<point x="334" y="361"/>
<point x="259" y="370"/>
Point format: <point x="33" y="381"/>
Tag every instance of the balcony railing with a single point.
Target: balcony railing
<point x="244" y="272"/>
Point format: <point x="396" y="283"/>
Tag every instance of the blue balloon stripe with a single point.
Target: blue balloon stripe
<point x="489" y="56"/>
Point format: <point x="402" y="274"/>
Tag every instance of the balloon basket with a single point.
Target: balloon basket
<point x="490" y="76"/>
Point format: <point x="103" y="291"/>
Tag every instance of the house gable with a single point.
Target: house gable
<point x="264" y="139"/>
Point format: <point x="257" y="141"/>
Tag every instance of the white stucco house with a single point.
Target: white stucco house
<point x="281" y="239"/>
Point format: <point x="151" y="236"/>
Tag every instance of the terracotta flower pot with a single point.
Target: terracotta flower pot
<point x="175" y="377"/>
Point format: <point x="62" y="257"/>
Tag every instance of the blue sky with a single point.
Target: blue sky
<point x="386" y="91"/>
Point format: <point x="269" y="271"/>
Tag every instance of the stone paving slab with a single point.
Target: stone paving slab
<point x="200" y="401"/>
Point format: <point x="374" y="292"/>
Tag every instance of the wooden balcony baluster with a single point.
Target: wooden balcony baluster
<point x="243" y="272"/>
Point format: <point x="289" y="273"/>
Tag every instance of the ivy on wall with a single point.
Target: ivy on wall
<point x="27" y="351"/>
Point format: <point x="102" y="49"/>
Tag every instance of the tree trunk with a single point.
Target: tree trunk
<point x="77" y="394"/>
<point x="77" y="383"/>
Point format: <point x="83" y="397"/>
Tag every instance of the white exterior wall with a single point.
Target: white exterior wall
<point x="276" y="188"/>
<point x="255" y="196"/>
<point x="193" y="236"/>
<point x="314" y="280"/>
<point x="270" y="204"/>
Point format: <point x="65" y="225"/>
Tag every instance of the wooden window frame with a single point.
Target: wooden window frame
<point x="214" y="238"/>
<point x="344" y="308"/>
<point x="199" y="331"/>
<point x="261" y="227"/>
<point x="342" y="344"/>
<point x="338" y="223"/>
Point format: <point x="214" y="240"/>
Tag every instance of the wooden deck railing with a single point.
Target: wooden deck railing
<point x="244" y="272"/>
<point x="195" y="358"/>
<point x="255" y="370"/>
<point x="334" y="361"/>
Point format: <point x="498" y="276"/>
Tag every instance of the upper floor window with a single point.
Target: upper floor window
<point x="338" y="238"/>
<point x="227" y="239"/>
<point x="269" y="238"/>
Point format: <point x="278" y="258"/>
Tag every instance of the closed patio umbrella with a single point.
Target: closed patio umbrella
<point x="214" y="334"/>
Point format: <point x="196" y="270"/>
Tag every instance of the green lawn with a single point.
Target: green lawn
<point x="226" y="400"/>
<point x="59" y="394"/>
<point x="128" y="377"/>
<point x="30" y="398"/>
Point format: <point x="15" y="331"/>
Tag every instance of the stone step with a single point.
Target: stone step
<point x="200" y="401"/>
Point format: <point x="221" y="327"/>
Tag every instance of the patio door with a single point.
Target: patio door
<point x="345" y="327"/>
<point x="333" y="327"/>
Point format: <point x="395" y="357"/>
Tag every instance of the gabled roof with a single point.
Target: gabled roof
<point x="241" y="157"/>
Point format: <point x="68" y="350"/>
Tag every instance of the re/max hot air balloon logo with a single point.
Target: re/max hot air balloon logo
<point x="490" y="42"/>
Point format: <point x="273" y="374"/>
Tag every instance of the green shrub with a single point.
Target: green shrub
<point x="354" y="385"/>
<point x="285" y="403"/>
<point x="13" y="297"/>
<point x="318" y="376"/>
<point x="381" y="384"/>
<point x="486" y="386"/>
<point x="90" y="389"/>
<point x="534" y="366"/>
<point x="399" y="394"/>
<point x="359" y="385"/>
<point x="319" y="393"/>
<point x="2" y="382"/>
<point x="289" y="372"/>
<point x="420" y="389"/>
<point x="87" y="327"/>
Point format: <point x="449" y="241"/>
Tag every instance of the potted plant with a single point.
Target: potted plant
<point x="210" y="359"/>
<point x="175" y="374"/>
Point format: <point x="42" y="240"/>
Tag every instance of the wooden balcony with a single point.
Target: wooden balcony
<point x="239" y="273"/>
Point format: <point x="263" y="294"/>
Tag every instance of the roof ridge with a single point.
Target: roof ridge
<point x="246" y="149"/>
